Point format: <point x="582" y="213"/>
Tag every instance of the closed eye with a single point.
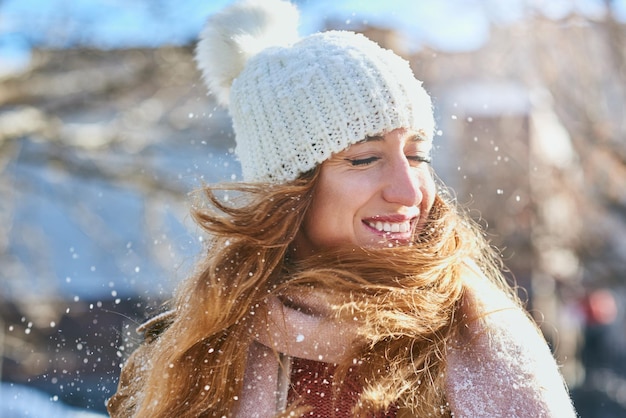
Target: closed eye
<point x="419" y="158"/>
<point x="362" y="161"/>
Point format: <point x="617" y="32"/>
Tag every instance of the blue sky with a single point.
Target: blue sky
<point x="443" y="24"/>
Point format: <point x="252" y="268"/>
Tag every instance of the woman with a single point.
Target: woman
<point x="340" y="279"/>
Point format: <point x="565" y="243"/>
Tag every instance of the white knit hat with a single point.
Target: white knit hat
<point x="294" y="101"/>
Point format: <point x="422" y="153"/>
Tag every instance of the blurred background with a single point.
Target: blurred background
<point x="106" y="128"/>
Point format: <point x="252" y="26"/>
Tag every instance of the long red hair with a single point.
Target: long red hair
<point x="406" y="298"/>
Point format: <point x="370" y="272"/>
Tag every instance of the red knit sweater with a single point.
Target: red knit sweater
<point x="311" y="383"/>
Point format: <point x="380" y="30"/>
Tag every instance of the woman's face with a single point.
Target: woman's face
<point x="376" y="192"/>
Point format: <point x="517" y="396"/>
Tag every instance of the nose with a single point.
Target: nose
<point x="402" y="184"/>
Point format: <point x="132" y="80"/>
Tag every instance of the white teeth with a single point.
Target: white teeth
<point x="391" y="227"/>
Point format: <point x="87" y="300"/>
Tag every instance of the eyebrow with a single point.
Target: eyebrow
<point x="419" y="136"/>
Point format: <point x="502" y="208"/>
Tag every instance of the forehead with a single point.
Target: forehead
<point x="416" y="140"/>
<point x="405" y="137"/>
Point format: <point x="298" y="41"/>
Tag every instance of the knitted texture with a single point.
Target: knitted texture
<point x="293" y="107"/>
<point x="295" y="103"/>
<point x="312" y="385"/>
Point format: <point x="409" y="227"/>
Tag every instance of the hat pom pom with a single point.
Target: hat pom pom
<point x="237" y="33"/>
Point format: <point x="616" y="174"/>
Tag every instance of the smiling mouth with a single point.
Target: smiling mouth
<point x="392" y="227"/>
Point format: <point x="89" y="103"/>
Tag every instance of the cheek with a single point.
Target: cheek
<point x="328" y="211"/>
<point x="429" y="191"/>
<point x="330" y="218"/>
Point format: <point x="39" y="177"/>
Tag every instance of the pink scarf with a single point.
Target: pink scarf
<point x="303" y="328"/>
<point x="502" y="366"/>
